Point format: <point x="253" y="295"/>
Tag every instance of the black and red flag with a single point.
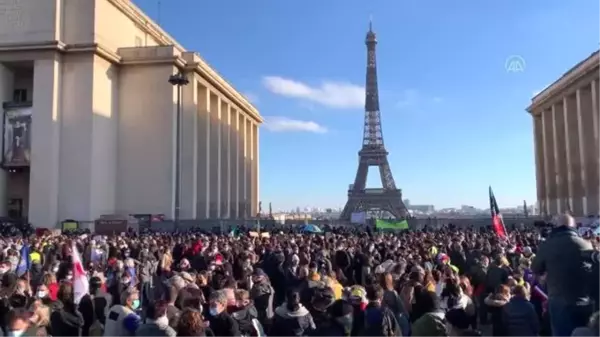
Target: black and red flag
<point x="497" y="222"/>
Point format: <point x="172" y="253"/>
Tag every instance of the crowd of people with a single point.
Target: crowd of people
<point x="343" y="282"/>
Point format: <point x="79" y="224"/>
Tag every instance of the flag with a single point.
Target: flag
<point x="24" y="261"/>
<point x="497" y="222"/>
<point x="81" y="285"/>
<point x="393" y="225"/>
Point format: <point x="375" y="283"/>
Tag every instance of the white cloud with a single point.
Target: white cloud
<point x="251" y="97"/>
<point x="284" y="124"/>
<point x="339" y="95"/>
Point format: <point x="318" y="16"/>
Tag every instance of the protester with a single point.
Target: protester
<point x="344" y="282"/>
<point x="519" y="316"/>
<point x="561" y="260"/>
<point x="157" y="323"/>
<point x="458" y="322"/>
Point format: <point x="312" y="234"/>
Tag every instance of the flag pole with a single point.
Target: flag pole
<point x="495" y="213"/>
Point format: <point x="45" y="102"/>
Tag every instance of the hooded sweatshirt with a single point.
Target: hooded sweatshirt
<point x="292" y="323"/>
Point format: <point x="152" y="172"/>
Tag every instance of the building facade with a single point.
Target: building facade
<point x="90" y="118"/>
<point x="567" y="147"/>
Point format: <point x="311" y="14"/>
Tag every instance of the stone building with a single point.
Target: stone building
<point x="89" y="118"/>
<point x="567" y="147"/>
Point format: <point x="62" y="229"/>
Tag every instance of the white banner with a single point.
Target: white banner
<point x="359" y="218"/>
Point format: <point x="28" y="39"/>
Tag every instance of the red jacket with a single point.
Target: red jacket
<point x="53" y="291"/>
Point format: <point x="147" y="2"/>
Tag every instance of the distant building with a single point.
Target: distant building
<point x="422" y="208"/>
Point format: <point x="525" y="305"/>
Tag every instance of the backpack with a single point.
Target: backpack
<point x="97" y="328"/>
<point x="389" y="324"/>
<point x="438" y="326"/>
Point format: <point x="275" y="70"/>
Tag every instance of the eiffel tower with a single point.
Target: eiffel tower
<point x="373" y="153"/>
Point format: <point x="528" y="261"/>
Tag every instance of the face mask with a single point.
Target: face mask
<point x="69" y="277"/>
<point x="3" y="270"/>
<point x="213" y="311"/>
<point x="55" y="269"/>
<point x="125" y="281"/>
<point x="162" y="320"/>
<point x="16" y="333"/>
<point x="135" y="304"/>
<point x="41" y="294"/>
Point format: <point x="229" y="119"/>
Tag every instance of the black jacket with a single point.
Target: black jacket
<point x="562" y="258"/>
<point x="93" y="308"/>
<point x="66" y="322"/>
<point x="244" y="318"/>
<point x="224" y="325"/>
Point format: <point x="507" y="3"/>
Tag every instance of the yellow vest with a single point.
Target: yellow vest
<point x="35" y="257"/>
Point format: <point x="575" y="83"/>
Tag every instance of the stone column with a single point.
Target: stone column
<point x="248" y="163"/>
<point x="542" y="195"/>
<point x="243" y="167"/>
<point x="45" y="143"/>
<point x="546" y="156"/>
<point x="573" y="155"/>
<point x="240" y="162"/>
<point x="225" y="168"/>
<point x="6" y="92"/>
<point x="255" y="167"/>
<point x="596" y="142"/>
<point x="582" y="150"/>
<point x="233" y="164"/>
<point x="215" y="157"/>
<point x="555" y="164"/>
<point x="562" y="159"/>
<point x="189" y="149"/>
<point x="204" y="143"/>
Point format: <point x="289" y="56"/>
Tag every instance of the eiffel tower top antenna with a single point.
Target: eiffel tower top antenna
<point x="158" y="11"/>
<point x="371" y="22"/>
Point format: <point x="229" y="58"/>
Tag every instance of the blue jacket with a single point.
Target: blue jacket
<point x="519" y="318"/>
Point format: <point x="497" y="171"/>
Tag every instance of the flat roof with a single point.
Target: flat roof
<point x="567" y="78"/>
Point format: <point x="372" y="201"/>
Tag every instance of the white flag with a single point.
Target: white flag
<point x="81" y="285"/>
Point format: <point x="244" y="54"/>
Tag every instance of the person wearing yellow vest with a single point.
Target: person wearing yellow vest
<point x="35" y="257"/>
<point x="122" y="319"/>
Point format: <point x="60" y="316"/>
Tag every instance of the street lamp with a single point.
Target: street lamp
<point x="179" y="80"/>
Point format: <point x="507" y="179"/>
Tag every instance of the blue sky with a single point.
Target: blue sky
<point x="454" y="118"/>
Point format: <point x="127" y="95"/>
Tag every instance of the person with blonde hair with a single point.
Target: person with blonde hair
<point x="40" y="319"/>
<point x="244" y="312"/>
<point x="332" y="282"/>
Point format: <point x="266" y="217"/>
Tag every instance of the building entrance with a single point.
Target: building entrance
<point x="15" y="157"/>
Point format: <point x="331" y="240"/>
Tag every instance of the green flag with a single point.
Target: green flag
<point x="393" y="225"/>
